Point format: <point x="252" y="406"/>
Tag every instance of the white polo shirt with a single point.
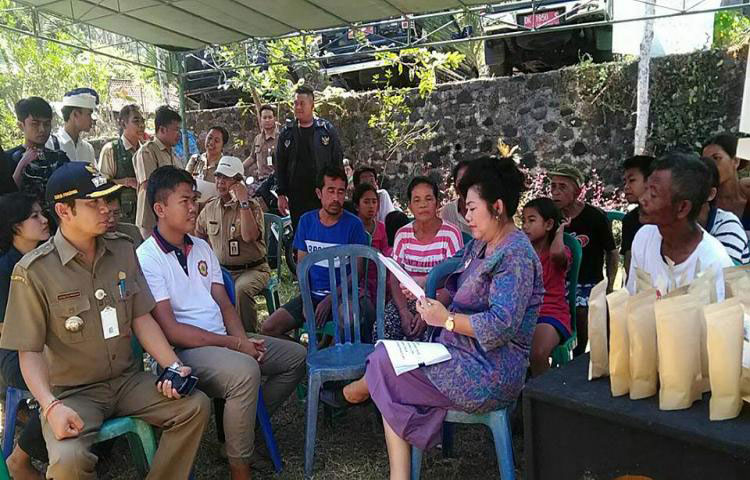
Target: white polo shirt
<point x="184" y="280"/>
<point x="82" y="151"/>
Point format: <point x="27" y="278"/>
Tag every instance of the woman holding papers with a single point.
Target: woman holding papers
<point x="419" y="246"/>
<point x="487" y="313"/>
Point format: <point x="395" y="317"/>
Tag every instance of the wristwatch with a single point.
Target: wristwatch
<point x="245" y="205"/>
<point x="450" y="322"/>
<point x="177" y="365"/>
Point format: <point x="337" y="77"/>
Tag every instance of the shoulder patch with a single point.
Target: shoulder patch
<point x="41" y="251"/>
<point x="117" y="236"/>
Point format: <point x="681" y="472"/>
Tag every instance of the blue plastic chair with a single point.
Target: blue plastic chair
<point x="497" y="421"/>
<point x="140" y="435"/>
<point x="261" y="414"/>
<point x="345" y="359"/>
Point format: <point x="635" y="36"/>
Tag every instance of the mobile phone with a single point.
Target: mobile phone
<point x="183" y="385"/>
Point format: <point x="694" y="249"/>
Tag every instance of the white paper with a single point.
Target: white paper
<point x="402" y="276"/>
<point x="406" y="356"/>
<point x="207" y="189"/>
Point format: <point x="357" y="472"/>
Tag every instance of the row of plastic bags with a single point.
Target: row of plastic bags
<point x="680" y="345"/>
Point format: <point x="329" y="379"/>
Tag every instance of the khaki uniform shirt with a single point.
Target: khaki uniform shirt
<point x="51" y="284"/>
<point x="131" y="231"/>
<point x="107" y="162"/>
<point x="152" y="155"/>
<point x="198" y="167"/>
<point x="220" y="223"/>
<point x="263" y="149"/>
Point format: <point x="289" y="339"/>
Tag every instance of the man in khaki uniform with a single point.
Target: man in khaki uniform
<point x="260" y="162"/>
<point x="116" y="159"/>
<point x="152" y="155"/>
<point x="232" y="223"/>
<point x="74" y="304"/>
<point x="115" y="222"/>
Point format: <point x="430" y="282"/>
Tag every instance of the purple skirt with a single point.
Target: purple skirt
<point x="412" y="406"/>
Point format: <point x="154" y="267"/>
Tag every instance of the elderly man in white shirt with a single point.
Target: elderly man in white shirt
<point x="78" y="111"/>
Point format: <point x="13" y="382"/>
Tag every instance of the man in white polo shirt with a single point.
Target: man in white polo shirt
<point x="198" y="319"/>
<point x="78" y="110"/>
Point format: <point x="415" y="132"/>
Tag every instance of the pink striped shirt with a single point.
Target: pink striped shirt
<point x="418" y="258"/>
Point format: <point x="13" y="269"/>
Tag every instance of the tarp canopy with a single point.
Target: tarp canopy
<point x="193" y="24"/>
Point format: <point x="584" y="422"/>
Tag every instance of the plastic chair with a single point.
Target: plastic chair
<point x="4" y="473"/>
<point x="271" y="291"/>
<point x="261" y="414"/>
<point x="496" y="421"/>
<point x="345" y="359"/>
<point x="140" y="435"/>
<point x="563" y="353"/>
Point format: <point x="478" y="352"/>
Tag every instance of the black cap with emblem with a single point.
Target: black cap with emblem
<point x="78" y="180"/>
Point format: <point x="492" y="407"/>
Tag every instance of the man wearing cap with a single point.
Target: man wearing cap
<point x="155" y="153"/>
<point x="232" y="223"/>
<point x="74" y="304"/>
<point x="78" y="110"/>
<point x="197" y="317"/>
<point x="592" y="229"/>
<point x="116" y="158"/>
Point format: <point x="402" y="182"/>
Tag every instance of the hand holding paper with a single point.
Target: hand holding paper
<point x="403" y="277"/>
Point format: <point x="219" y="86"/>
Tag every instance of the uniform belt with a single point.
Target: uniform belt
<point x="246" y="266"/>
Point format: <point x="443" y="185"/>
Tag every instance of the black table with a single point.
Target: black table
<point x="575" y="429"/>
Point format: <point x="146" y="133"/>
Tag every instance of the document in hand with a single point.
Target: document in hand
<point x="407" y="356"/>
<point x="206" y="189"/>
<point x="402" y="276"/>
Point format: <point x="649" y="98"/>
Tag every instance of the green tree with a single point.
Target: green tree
<point x="731" y="28"/>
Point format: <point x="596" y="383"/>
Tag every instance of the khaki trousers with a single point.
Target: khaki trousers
<point x="135" y="395"/>
<point x="247" y="285"/>
<point x="236" y="377"/>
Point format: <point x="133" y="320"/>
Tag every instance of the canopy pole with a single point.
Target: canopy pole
<point x="181" y="69"/>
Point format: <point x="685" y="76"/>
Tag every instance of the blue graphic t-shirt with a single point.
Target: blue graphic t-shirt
<point x="312" y="235"/>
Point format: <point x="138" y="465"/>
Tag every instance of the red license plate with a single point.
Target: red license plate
<point x="542" y="19"/>
<point x="365" y="30"/>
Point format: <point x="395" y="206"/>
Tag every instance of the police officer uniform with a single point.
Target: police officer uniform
<point x="300" y="155"/>
<point x="116" y="163"/>
<point x="152" y="155"/>
<point x="220" y="223"/>
<point x="81" y="317"/>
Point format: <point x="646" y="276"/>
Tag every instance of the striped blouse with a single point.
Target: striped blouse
<point x="418" y="258"/>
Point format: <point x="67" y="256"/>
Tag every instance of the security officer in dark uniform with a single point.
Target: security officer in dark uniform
<point x="306" y="144"/>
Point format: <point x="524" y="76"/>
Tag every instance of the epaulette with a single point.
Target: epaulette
<point x="117" y="236"/>
<point x="41" y="251"/>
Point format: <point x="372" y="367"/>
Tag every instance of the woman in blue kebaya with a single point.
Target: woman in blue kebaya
<point x="487" y="318"/>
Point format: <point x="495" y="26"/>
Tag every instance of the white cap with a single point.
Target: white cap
<point x="81" y="98"/>
<point x="230" y="167"/>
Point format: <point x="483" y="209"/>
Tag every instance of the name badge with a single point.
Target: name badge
<point x="269" y="160"/>
<point x="234" y="248"/>
<point x="109" y="323"/>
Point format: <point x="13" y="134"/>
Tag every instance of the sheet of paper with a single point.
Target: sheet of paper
<point x="406" y="356"/>
<point x="402" y="276"/>
<point x="207" y="189"/>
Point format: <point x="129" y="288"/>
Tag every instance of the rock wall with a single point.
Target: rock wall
<point x="583" y="115"/>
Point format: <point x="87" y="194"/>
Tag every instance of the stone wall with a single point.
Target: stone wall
<point x="582" y="115"/>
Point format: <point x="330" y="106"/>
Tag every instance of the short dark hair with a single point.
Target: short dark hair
<point x="495" y="179"/>
<point x="164" y="116"/>
<point x="726" y="141"/>
<point x="548" y="211"/>
<point x="422" y="181"/>
<point x="358" y="173"/>
<point x="224" y="133"/>
<point x="393" y="221"/>
<point x="330" y="171"/>
<point x="456" y="168"/>
<point x="305" y="90"/>
<point x="67" y="111"/>
<point x="116" y="195"/>
<point x="16" y="208"/>
<point x="642" y="163"/>
<point x="690" y="179"/>
<point x="359" y="192"/>
<point x="126" y="112"/>
<point x="163" y="181"/>
<point x="268" y="107"/>
<point x="36" y="107"/>
<point x="713" y="173"/>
